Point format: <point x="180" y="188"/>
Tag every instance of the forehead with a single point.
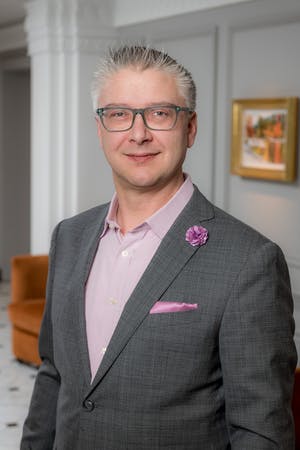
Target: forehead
<point x="135" y="87"/>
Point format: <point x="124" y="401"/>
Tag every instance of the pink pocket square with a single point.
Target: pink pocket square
<point x="166" y="307"/>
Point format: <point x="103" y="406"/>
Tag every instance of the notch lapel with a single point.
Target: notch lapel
<point x="90" y="241"/>
<point x="172" y="255"/>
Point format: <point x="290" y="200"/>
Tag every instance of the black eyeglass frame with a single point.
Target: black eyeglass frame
<point x="100" y="112"/>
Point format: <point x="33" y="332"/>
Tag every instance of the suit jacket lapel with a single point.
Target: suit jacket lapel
<point x="90" y="240"/>
<point x="171" y="256"/>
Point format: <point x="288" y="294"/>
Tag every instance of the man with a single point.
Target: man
<point x="168" y="323"/>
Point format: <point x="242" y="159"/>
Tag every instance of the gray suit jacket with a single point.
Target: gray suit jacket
<point x="214" y="378"/>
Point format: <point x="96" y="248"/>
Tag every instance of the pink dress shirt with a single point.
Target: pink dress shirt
<point x="119" y="264"/>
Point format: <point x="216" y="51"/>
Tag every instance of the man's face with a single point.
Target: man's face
<point x="141" y="158"/>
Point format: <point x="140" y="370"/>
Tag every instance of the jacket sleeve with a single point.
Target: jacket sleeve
<point x="39" y="426"/>
<point x="258" y="354"/>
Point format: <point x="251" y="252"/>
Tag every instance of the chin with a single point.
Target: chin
<point x="142" y="182"/>
<point x="141" y="179"/>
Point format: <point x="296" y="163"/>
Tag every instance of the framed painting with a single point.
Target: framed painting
<point x="264" y="138"/>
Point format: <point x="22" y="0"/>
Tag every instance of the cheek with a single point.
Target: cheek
<point x="110" y="143"/>
<point x="179" y="142"/>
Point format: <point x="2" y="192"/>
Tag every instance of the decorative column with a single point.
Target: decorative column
<point x="65" y="39"/>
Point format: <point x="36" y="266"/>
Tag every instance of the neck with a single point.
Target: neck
<point x="135" y="206"/>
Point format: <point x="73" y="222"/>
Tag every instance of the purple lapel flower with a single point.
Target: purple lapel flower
<point x="196" y="235"/>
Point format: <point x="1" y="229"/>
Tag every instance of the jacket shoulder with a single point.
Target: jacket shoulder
<point x="231" y="241"/>
<point x="227" y="228"/>
<point x="92" y="216"/>
<point x="236" y="230"/>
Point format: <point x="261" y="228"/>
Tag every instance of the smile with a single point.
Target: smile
<point x="141" y="157"/>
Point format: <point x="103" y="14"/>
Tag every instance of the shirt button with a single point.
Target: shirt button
<point x="124" y="253"/>
<point x="111" y="226"/>
<point x="113" y="301"/>
<point x="103" y="350"/>
<point x="89" y="405"/>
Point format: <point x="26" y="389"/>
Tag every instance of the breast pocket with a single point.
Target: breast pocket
<point x="187" y="332"/>
<point x="179" y="346"/>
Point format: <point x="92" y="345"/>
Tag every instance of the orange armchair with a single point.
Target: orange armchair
<point x="28" y="292"/>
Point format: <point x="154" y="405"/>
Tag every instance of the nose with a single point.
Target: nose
<point x="139" y="133"/>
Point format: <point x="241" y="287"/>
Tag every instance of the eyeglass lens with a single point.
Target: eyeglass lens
<point x="157" y="118"/>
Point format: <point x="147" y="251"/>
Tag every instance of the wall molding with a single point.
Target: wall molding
<point x="69" y="26"/>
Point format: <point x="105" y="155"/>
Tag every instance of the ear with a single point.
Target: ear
<point x="192" y="129"/>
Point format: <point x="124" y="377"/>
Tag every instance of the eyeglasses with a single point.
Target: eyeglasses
<point x="160" y="118"/>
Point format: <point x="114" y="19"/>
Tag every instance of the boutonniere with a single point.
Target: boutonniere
<point x="196" y="235"/>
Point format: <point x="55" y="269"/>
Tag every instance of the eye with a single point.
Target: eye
<point x="117" y="114"/>
<point x="161" y="112"/>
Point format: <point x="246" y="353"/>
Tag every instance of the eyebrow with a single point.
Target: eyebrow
<point x="125" y="105"/>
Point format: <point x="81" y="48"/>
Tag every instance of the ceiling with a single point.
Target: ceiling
<point x="11" y="12"/>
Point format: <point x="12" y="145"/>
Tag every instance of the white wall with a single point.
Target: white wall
<point x="265" y="62"/>
<point x="94" y="182"/>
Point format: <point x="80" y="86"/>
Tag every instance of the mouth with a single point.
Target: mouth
<point x="141" y="157"/>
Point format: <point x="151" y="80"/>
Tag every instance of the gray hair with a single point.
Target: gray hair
<point x="142" y="58"/>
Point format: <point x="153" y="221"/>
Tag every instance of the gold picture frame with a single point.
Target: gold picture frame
<point x="264" y="138"/>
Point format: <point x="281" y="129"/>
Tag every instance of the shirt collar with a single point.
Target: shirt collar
<point x="162" y="220"/>
<point x="110" y="220"/>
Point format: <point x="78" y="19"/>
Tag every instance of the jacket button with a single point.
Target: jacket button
<point x="88" y="405"/>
